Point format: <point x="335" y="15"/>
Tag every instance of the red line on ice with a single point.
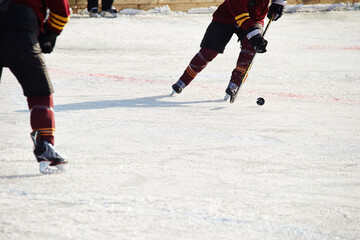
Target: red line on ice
<point x="258" y="92"/>
<point x="100" y="75"/>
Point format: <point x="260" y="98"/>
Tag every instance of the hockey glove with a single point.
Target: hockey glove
<point x="47" y="39"/>
<point x="276" y="9"/>
<point x="256" y="40"/>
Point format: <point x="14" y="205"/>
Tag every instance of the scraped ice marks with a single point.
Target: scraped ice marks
<point x="323" y="47"/>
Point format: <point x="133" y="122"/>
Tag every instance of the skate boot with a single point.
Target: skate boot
<point x="230" y="91"/>
<point x="50" y="160"/>
<point x="178" y="87"/>
<point x="94" y="13"/>
<point x="110" y="13"/>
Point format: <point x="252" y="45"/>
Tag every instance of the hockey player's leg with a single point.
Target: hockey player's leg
<point x="239" y="74"/>
<point x="33" y="76"/>
<point x="42" y="117"/>
<point x="197" y="64"/>
<point x="43" y="125"/>
<point x="215" y="39"/>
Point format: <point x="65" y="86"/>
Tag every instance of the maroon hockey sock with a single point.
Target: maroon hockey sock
<point x="42" y="117"/>
<point x="247" y="52"/>
<point x="198" y="63"/>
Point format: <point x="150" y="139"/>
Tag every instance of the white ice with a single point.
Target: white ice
<point x="143" y="165"/>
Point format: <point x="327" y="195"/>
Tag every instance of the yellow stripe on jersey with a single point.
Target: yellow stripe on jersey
<point x="60" y="18"/>
<point x="241" y="18"/>
<point x="54" y="25"/>
<point x="57" y="21"/>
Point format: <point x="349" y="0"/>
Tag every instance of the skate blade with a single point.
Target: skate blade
<point x="45" y="168"/>
<point x="172" y="93"/>
<point x="227" y="96"/>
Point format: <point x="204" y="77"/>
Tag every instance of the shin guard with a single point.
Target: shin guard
<point x="243" y="62"/>
<point x="197" y="64"/>
<point x="42" y="117"/>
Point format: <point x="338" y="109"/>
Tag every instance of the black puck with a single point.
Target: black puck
<point x="260" y="101"/>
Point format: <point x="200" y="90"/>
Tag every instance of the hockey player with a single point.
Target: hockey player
<point x="245" y="18"/>
<point x="24" y="36"/>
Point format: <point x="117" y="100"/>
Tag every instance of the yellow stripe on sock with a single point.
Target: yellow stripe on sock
<point x="40" y="129"/>
<point x="241" y="69"/>
<point x="191" y="72"/>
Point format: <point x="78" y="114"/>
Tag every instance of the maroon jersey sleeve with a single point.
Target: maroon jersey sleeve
<point x="59" y="14"/>
<point x="240" y="12"/>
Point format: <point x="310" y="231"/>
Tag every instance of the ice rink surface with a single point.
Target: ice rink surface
<point x="143" y="165"/>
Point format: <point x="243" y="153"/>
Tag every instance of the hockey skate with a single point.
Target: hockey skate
<point x="178" y="87"/>
<point x="50" y="161"/>
<point x="110" y="13"/>
<point x="230" y="91"/>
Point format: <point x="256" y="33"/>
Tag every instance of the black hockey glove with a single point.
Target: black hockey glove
<point x="276" y="9"/>
<point x="47" y="39"/>
<point x="256" y="40"/>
